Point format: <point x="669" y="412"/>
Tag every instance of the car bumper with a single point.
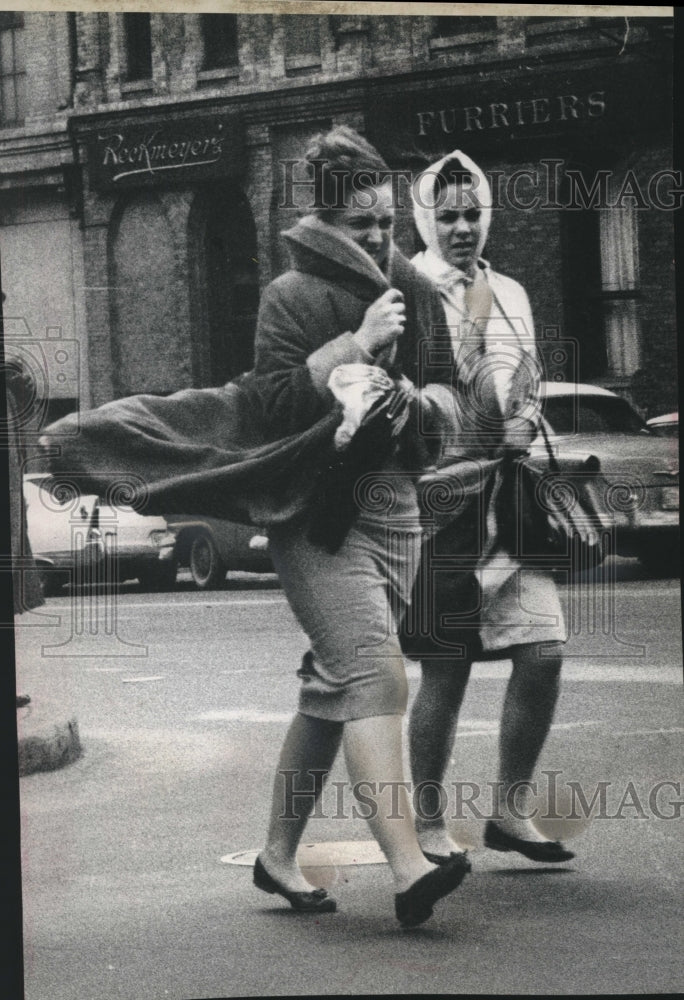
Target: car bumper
<point x="144" y="553"/>
<point x="133" y="553"/>
<point x="659" y="528"/>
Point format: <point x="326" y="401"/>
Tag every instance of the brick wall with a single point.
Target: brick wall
<point x="48" y="64"/>
<point x="523" y="244"/>
<point x="351" y="47"/>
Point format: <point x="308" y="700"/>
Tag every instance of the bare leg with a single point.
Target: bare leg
<point x="310" y="745"/>
<point x="431" y="737"/>
<point x="373" y="751"/>
<point x="529" y="707"/>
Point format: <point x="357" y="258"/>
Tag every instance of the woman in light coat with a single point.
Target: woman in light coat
<point x="506" y="611"/>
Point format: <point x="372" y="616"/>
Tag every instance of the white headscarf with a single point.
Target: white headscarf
<point x="425" y="200"/>
<point x="451" y="280"/>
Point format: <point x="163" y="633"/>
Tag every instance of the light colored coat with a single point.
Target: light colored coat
<point x="518" y="606"/>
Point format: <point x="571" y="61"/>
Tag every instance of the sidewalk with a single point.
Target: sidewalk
<point x="47" y="727"/>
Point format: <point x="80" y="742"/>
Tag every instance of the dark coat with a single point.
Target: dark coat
<point x="324" y="296"/>
<point x="252" y="450"/>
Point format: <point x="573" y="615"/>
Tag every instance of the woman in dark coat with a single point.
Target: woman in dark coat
<point x="352" y="318"/>
<point x="351" y="299"/>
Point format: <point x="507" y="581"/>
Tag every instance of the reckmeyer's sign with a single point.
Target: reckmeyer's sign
<point x="125" y="155"/>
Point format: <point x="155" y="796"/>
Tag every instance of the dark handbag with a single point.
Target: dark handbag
<point x="334" y="506"/>
<point x="553" y="515"/>
<point x="456" y="491"/>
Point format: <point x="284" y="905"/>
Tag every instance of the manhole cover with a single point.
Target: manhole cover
<point x="328" y="854"/>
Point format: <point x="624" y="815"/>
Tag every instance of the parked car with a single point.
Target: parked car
<point x="75" y="536"/>
<point x="666" y="425"/>
<point x="211" y="546"/>
<point x="142" y="545"/>
<point x="639" y="469"/>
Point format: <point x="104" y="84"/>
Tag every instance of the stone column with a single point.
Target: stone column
<point x="115" y="63"/>
<point x="259" y="192"/>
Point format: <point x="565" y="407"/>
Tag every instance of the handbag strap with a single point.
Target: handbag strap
<point x="497" y="303"/>
<point x="553" y="461"/>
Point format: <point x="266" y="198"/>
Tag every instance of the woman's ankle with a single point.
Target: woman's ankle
<point x="436" y="839"/>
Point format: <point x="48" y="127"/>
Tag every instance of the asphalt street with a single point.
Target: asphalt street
<point x="182" y="701"/>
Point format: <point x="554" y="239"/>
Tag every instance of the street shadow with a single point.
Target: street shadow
<point x="236" y="581"/>
<point x="249" y="581"/>
<point x="527" y="872"/>
<point x="615" y="570"/>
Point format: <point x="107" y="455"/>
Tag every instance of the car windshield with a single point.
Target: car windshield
<point x="592" y="415"/>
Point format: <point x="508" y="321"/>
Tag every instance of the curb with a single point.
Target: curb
<point x="45" y="745"/>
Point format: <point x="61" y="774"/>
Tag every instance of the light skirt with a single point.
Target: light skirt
<point x="349" y="604"/>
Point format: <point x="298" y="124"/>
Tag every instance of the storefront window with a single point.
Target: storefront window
<point x="147" y="301"/>
<point x="12" y="69"/>
<point x="601" y="292"/>
<point x="620" y="287"/>
<point x="138" y="43"/>
<point x="220" y="40"/>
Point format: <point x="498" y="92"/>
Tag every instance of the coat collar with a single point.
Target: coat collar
<point x="444" y="275"/>
<point x="318" y="248"/>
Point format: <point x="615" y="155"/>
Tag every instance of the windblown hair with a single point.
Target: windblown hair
<point x="347" y="162"/>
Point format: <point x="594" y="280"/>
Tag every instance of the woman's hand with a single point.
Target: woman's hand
<point x="383" y="322"/>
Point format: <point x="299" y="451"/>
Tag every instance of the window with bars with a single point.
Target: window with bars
<point x="541" y="29"/>
<point x="302" y="42"/>
<point x="12" y="69"/>
<point x="455" y="34"/>
<point x="220" y="41"/>
<point x="138" y="46"/>
<point x="453" y="26"/>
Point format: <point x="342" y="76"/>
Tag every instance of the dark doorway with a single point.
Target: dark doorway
<point x="226" y="284"/>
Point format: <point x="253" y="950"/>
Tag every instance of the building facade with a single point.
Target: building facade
<point x="149" y="161"/>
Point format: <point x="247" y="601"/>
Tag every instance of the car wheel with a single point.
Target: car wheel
<point x="158" y="576"/>
<point x="206" y="566"/>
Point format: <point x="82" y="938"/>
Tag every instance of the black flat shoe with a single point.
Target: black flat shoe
<point x="316" y="901"/>
<point x="443" y="859"/>
<point x="549" y="851"/>
<point x="414" y="906"/>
